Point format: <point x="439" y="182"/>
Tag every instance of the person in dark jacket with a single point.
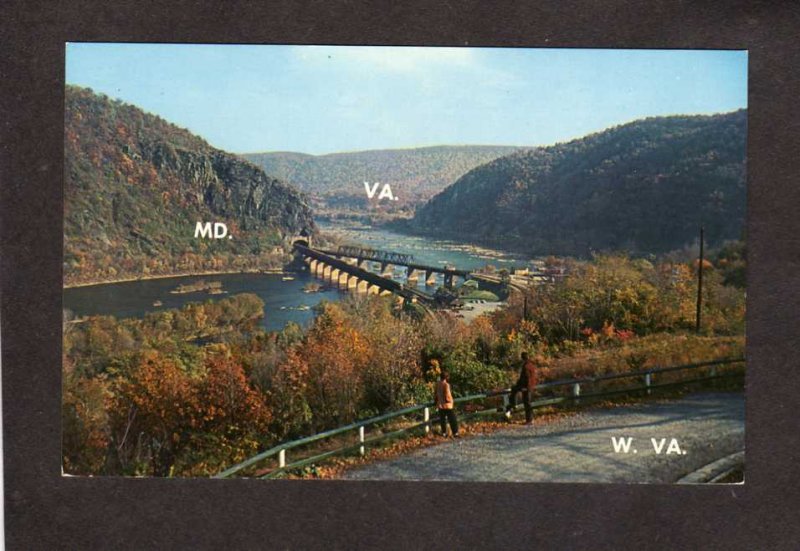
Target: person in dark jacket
<point x="445" y="404"/>
<point x="526" y="383"/>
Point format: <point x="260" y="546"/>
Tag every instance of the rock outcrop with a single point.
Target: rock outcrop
<point x="136" y="186"/>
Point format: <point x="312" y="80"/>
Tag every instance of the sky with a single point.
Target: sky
<point x="325" y="99"/>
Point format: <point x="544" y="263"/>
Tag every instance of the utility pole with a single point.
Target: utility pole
<point x="699" y="284"/>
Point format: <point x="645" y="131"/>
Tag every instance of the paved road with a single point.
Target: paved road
<point x="579" y="448"/>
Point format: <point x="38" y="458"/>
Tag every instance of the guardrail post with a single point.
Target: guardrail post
<point x="281" y="448"/>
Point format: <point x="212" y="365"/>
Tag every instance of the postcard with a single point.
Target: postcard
<point x="404" y="263"/>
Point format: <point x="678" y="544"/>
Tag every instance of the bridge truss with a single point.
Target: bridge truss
<point x="376" y="255"/>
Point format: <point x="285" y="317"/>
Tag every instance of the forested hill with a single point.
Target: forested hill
<point x="136" y="185"/>
<point x="645" y="187"/>
<point x="414" y="174"/>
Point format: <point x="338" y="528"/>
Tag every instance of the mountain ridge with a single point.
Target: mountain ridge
<point x="136" y="186"/>
<point x="414" y="174"/>
<point x="571" y="198"/>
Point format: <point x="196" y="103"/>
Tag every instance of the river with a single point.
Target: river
<point x="284" y="299"/>
<point x="425" y="250"/>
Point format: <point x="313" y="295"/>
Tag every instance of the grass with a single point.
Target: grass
<point x="657" y="350"/>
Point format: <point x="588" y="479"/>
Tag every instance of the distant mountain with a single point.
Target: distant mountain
<point x="413" y="174"/>
<point x="645" y="187"/>
<point x="136" y="185"/>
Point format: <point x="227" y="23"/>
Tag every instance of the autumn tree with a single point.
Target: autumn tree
<point x="291" y="410"/>
<point x="232" y="418"/>
<point x="85" y="431"/>
<point x="393" y="375"/>
<point x="336" y="354"/>
<point x="154" y="411"/>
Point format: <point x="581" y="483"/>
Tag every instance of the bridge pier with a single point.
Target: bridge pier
<point x="373" y="275"/>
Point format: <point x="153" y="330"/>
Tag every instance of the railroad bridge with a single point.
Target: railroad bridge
<point x="386" y="260"/>
<point x="348" y="273"/>
<point x="347" y="267"/>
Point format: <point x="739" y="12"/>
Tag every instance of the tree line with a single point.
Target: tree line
<point x="644" y="187"/>
<point x="187" y="392"/>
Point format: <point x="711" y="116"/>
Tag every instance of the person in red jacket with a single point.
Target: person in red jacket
<point x="445" y="405"/>
<point x="526" y="383"/>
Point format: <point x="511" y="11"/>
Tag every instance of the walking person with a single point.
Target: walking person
<point x="526" y="383"/>
<point x="445" y="405"/>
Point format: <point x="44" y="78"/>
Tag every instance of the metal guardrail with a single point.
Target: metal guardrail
<point x="574" y="396"/>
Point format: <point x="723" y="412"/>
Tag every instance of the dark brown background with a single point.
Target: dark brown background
<point x="46" y="511"/>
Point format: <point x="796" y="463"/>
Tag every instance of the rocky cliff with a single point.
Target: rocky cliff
<point x="136" y="186"/>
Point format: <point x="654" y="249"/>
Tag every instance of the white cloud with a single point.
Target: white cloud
<point x="396" y="59"/>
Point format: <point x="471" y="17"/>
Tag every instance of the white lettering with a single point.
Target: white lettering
<point x="658" y="446"/>
<point x="206" y="230"/>
<point x="622" y="445"/>
<point x="220" y="230"/>
<point x="674" y="447"/>
<point x="386" y="192"/>
<point x="202" y="230"/>
<point x="371" y="192"/>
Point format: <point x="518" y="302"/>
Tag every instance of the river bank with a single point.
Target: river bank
<point x="149" y="277"/>
<point x="463" y="254"/>
<point x="501" y="245"/>
<point x="284" y="298"/>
